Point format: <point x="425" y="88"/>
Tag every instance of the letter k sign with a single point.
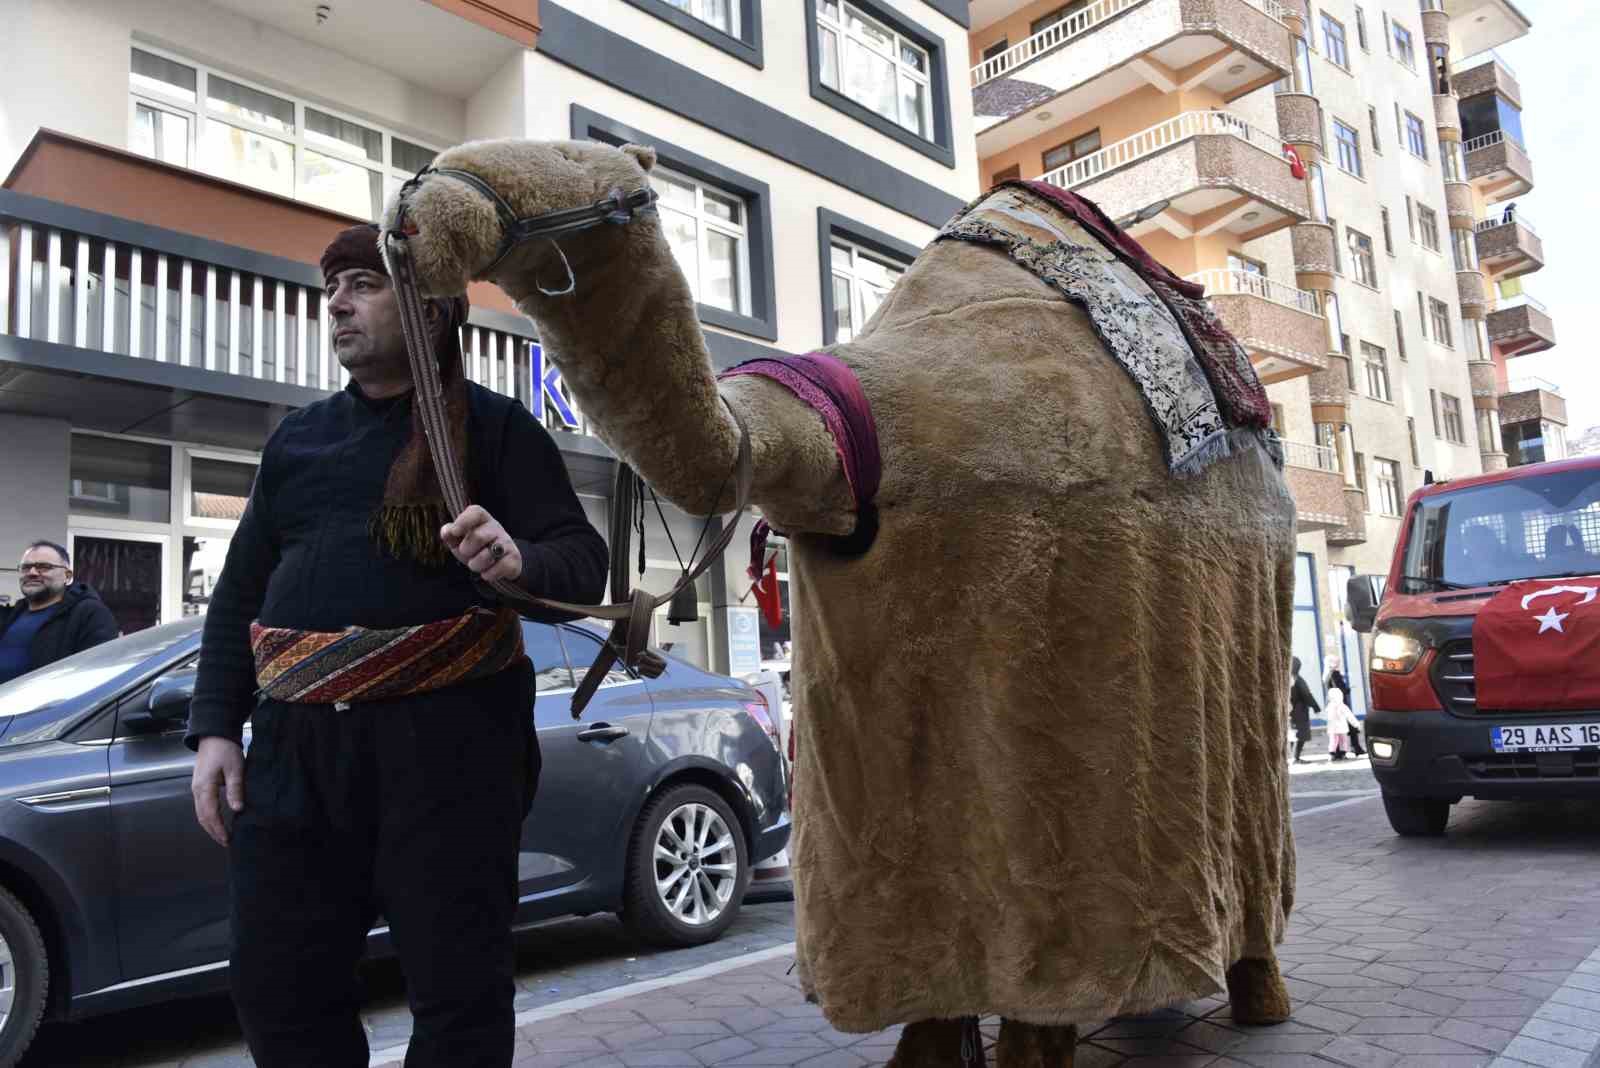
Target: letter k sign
<point x="547" y="385"/>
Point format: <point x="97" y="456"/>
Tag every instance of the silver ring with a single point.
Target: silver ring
<point x="497" y="550"/>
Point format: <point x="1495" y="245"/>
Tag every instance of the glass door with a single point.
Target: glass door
<point x="128" y="570"/>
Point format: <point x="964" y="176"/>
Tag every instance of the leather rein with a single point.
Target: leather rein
<point x="629" y="612"/>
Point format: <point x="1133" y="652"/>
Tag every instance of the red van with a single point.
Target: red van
<point x="1463" y="543"/>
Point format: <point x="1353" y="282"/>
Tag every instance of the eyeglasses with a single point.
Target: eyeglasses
<point x="41" y="568"/>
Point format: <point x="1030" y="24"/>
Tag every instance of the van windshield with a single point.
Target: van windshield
<point x="1536" y="527"/>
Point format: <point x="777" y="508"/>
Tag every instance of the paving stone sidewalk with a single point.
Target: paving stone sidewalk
<point x="1479" y="949"/>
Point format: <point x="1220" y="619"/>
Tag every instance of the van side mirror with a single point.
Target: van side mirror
<point x="1362" y="598"/>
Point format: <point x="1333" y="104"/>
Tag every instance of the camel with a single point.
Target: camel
<point x="1039" y="771"/>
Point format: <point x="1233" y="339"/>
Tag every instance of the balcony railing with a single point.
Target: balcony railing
<point x="1236" y="281"/>
<point x="1489" y="140"/>
<point x="1498" y="220"/>
<point x="1074" y="25"/>
<point x="1313" y="457"/>
<point x="1158" y="138"/>
<point x="104" y="284"/>
<point x="1479" y="58"/>
<point x="1519" y="301"/>
<point x="1531" y="382"/>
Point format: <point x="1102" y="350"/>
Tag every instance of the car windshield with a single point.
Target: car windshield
<point x="1536" y="527"/>
<point x="80" y="674"/>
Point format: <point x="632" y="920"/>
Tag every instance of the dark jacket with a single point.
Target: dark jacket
<point x="81" y="622"/>
<point x="1301" y="702"/>
<point x="302" y="556"/>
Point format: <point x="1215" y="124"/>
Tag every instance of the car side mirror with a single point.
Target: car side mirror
<point x="166" y="707"/>
<point x="1362" y="598"/>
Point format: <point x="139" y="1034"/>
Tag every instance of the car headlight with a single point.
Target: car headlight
<point x="1394" y="653"/>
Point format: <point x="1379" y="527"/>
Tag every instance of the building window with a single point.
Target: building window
<point x="1411" y="437"/>
<point x="1416" y="137"/>
<point x="1386" y="477"/>
<point x="1372" y="129"/>
<point x="1472" y="339"/>
<point x="1489" y="113"/>
<point x="1404" y="50"/>
<point x="1464" y="245"/>
<point x="1338" y="259"/>
<point x="734" y="26"/>
<point x="1276" y="422"/>
<point x="883" y="71"/>
<point x="717" y="222"/>
<point x="1439" y="313"/>
<point x="1333" y="41"/>
<point x="1411" y="220"/>
<point x="1450" y="160"/>
<point x="1376" y="364"/>
<point x="1361" y="29"/>
<point x="1422" y="312"/>
<point x="186" y="114"/>
<point x="1349" y="148"/>
<point x="1388" y="239"/>
<point x="996" y="49"/>
<point x="1433" y="406"/>
<point x="1399" y="335"/>
<point x="860" y="267"/>
<point x="1238" y="262"/>
<point x="1428" y="227"/>
<point x="1361" y="474"/>
<point x="1361" y="254"/>
<point x="1454" y="429"/>
<point x="1075" y="149"/>
<point x="1060" y="14"/>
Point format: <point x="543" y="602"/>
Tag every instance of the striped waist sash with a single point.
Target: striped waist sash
<point x="359" y="664"/>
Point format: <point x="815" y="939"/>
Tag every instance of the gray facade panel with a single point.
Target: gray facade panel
<point x="33" y="485"/>
<point x="747" y="46"/>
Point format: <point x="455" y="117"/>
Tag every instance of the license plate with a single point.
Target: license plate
<point x="1552" y="738"/>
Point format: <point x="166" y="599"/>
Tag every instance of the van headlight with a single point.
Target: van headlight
<point x="1395" y="654"/>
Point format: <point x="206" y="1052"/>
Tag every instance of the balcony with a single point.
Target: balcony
<point x="1521" y="325"/>
<point x="1485" y="73"/>
<point x="1484" y="379"/>
<point x="1115" y="47"/>
<point x="1281" y="327"/>
<point x="1354" y="530"/>
<point x="1436" y="28"/>
<point x="1202" y="173"/>
<point x="1473" y="294"/>
<point x="1528" y="399"/>
<point x="1316" y="484"/>
<point x="1479" y="25"/>
<point x="1508" y="249"/>
<point x="1300" y="119"/>
<point x="1498" y="166"/>
<point x="1313" y="244"/>
<point x="1330" y="391"/>
<point x="1447" y="117"/>
<point x="1458" y="204"/>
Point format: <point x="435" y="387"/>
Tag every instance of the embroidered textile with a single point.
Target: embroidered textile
<point x="358" y="664"/>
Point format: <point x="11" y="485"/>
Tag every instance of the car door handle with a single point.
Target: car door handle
<point x="602" y="732"/>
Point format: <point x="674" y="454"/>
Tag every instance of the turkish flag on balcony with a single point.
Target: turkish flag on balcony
<point x="1296" y="167"/>
<point x="766" y="591"/>
<point x="1536" y="646"/>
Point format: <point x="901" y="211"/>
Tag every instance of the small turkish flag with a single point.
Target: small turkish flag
<point x="1536" y="646"/>
<point x="766" y="591"/>
<point x="1296" y="168"/>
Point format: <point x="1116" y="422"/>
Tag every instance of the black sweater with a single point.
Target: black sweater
<point x="302" y="556"/>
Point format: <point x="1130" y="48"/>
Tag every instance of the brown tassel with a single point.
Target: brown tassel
<point x="411" y="532"/>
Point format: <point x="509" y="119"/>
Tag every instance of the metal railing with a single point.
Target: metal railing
<point x="1519" y="301"/>
<point x="1478" y="59"/>
<point x="1498" y="219"/>
<point x="1531" y="382"/>
<point x="1489" y="140"/>
<point x="1074" y="25"/>
<point x="101" y="283"/>
<point x="1232" y="280"/>
<point x="1312" y="457"/>
<point x="1158" y="138"/>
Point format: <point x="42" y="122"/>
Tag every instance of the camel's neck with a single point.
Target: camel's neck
<point x="629" y="346"/>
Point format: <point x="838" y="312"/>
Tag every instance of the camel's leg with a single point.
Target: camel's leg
<point x="1256" y="992"/>
<point x="1034" y="1046"/>
<point x="936" y="1044"/>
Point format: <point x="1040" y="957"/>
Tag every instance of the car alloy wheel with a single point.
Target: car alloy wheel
<point x="696" y="864"/>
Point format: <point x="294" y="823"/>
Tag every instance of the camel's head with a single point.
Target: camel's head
<point x="455" y="229"/>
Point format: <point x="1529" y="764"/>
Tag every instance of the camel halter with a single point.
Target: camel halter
<point x="629" y="613"/>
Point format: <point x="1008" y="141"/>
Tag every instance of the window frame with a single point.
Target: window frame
<point x="1363" y="258"/>
<point x="1427" y="227"/>
<point x="1416" y="136"/>
<point x="762" y="320"/>
<point x="1353" y="145"/>
<point x="1342" y="61"/>
<point x="1044" y="157"/>
<point x="1361" y="29"/>
<point x="1390" y="489"/>
<point x="1375" y="372"/>
<point x="1388" y="235"/>
<point x="1455" y="427"/>
<point x="939" y="145"/>
<point x="1405" y="52"/>
<point x="1372" y="123"/>
<point x="745" y="43"/>
<point x="199" y="113"/>
<point x="1439" y="313"/>
<point x="831" y="227"/>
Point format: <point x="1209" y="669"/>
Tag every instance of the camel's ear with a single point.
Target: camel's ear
<point x="643" y="155"/>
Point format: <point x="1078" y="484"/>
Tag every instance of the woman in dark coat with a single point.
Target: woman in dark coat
<point x="1301" y="702"/>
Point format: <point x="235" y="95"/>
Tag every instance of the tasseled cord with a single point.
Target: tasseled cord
<point x="411" y="532"/>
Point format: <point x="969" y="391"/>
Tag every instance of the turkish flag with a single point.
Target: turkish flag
<point x="1536" y="646"/>
<point x="766" y="591"/>
<point x="1296" y="167"/>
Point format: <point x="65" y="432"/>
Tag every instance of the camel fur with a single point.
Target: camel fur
<point x="1039" y="722"/>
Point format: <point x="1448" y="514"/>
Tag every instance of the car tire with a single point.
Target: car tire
<point x="1416" y="817"/>
<point x="25" y="974"/>
<point x="687" y="868"/>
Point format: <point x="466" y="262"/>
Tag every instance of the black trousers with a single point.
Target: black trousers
<point x="410" y="810"/>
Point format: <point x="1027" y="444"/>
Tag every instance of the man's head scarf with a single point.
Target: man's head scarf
<point x="407" y="523"/>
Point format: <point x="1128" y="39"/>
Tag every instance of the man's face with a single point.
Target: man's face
<point x="44" y="574"/>
<point x="366" y="323"/>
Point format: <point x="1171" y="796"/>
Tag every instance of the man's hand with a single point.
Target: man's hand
<point x="478" y="540"/>
<point x="218" y="767"/>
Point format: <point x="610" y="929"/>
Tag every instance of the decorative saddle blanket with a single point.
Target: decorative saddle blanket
<point x="357" y="664"/>
<point x="1197" y="382"/>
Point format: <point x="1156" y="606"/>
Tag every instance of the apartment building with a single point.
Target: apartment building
<point x="176" y="167"/>
<point x="1336" y="175"/>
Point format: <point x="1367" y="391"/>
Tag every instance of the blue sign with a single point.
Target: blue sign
<point x="547" y="384"/>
